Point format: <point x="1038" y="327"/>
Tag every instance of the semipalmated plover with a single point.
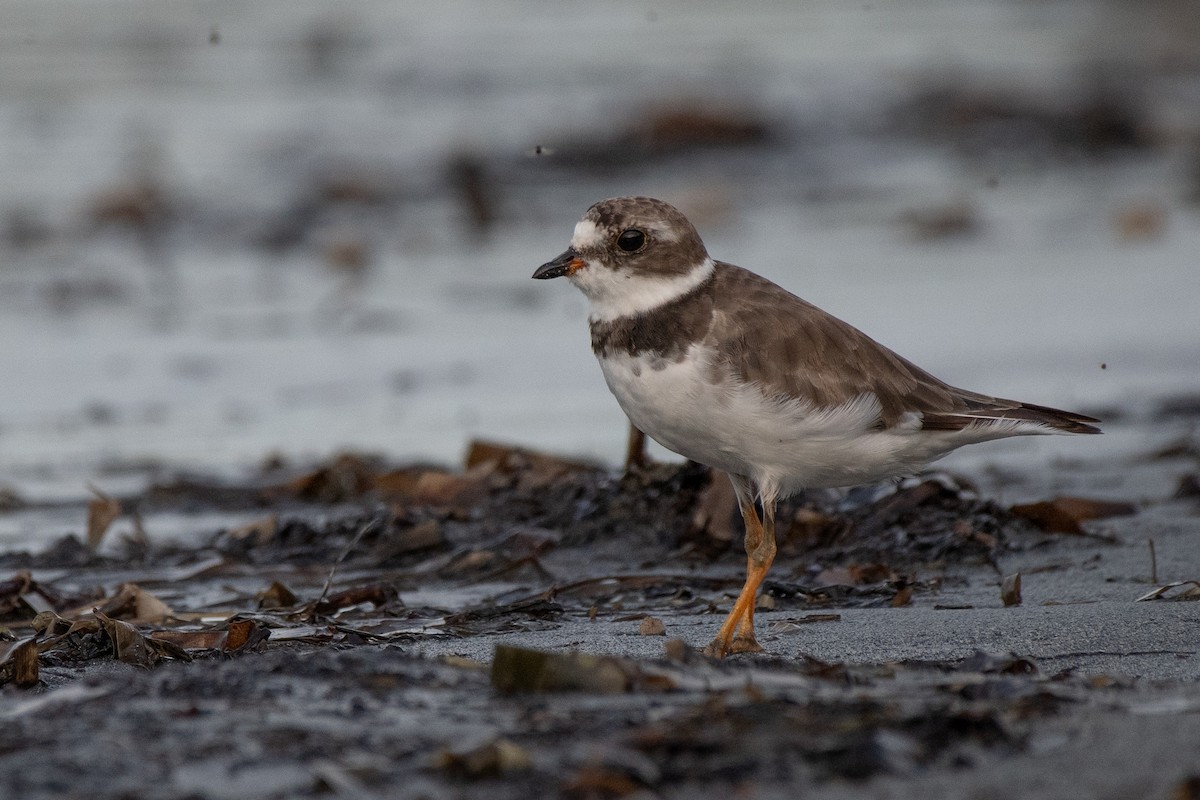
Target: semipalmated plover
<point x="726" y="368"/>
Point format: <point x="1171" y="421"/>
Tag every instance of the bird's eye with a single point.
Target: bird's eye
<point x="631" y="240"/>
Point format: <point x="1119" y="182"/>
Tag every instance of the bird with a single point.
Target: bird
<point x="729" y="369"/>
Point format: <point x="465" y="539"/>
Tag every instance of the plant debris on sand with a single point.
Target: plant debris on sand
<point x="347" y="632"/>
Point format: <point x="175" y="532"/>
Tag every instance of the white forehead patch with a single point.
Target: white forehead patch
<point x="586" y="235"/>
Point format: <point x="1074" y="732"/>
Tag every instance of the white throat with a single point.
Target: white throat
<point x="615" y="294"/>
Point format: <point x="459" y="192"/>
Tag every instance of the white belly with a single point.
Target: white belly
<point x="784" y="444"/>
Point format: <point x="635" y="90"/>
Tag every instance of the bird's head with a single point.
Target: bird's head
<point x="630" y="254"/>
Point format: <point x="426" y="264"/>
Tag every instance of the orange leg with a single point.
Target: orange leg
<point x="737" y="632"/>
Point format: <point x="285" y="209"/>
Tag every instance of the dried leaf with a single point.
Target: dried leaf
<point x="395" y="541"/>
<point x="447" y="490"/>
<point x="468" y="561"/>
<point x="194" y="640"/>
<point x="346" y="477"/>
<point x="135" y="604"/>
<point x="811" y="528"/>
<point x="12" y="592"/>
<point x="276" y="596"/>
<point x="652" y="626"/>
<point x="833" y="576"/>
<point x="400" y="484"/>
<point x="1189" y="487"/>
<point x="10" y="500"/>
<point x="516" y="669"/>
<point x="243" y="634"/>
<point x="129" y="645"/>
<point x="854" y="575"/>
<point x="712" y="523"/>
<point x="991" y="663"/>
<point x="1191" y="593"/>
<point x="1010" y="590"/>
<point x="677" y="650"/>
<point x="19" y="662"/>
<point x="1066" y="514"/>
<point x="50" y="624"/>
<point x="102" y="512"/>
<point x="536" y="469"/>
<point x="260" y="530"/>
<point x="594" y="780"/>
<point x="497" y="757"/>
<point x="871" y="573"/>
<point x="1187" y="789"/>
<point x="377" y="594"/>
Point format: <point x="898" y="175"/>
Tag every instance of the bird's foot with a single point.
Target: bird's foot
<point x="745" y="644"/>
<point x="719" y="648"/>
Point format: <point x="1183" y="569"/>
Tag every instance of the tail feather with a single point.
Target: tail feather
<point x="1054" y="419"/>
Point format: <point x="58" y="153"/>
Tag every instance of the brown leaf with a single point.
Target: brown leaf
<point x="102" y="512"/>
<point x="396" y="541"/>
<point x="399" y="484"/>
<point x="243" y="634"/>
<point x="1190" y="593"/>
<point x="467" y="562"/>
<point x="538" y="469"/>
<point x="536" y="607"/>
<point x="448" y="490"/>
<point x="50" y="624"/>
<point x="1140" y="221"/>
<point x="13" y="590"/>
<point x="833" y="576"/>
<point x="260" y="530"/>
<point x="1066" y="514"/>
<point x="517" y="669"/>
<point x="811" y="528"/>
<point x="194" y="640"/>
<point x="854" y="575"/>
<point x="903" y="596"/>
<point x="677" y="650"/>
<point x="594" y="780"/>
<point x="1189" y="487"/>
<point x="129" y="645"/>
<point x="652" y="626"/>
<point x="135" y="604"/>
<point x="19" y="662"/>
<point x="377" y="594"/>
<point x="276" y="596"/>
<point x="346" y="477"/>
<point x="871" y="573"/>
<point x="1010" y="590"/>
<point x="238" y="635"/>
<point x="10" y="500"/>
<point x="497" y="757"/>
<point x="712" y="522"/>
<point x="997" y="664"/>
<point x="1187" y="789"/>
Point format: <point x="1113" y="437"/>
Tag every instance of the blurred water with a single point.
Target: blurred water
<point x="234" y="229"/>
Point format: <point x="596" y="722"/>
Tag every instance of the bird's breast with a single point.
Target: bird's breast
<point x="676" y="403"/>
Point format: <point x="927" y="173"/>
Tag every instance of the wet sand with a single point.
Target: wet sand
<point x="485" y="633"/>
